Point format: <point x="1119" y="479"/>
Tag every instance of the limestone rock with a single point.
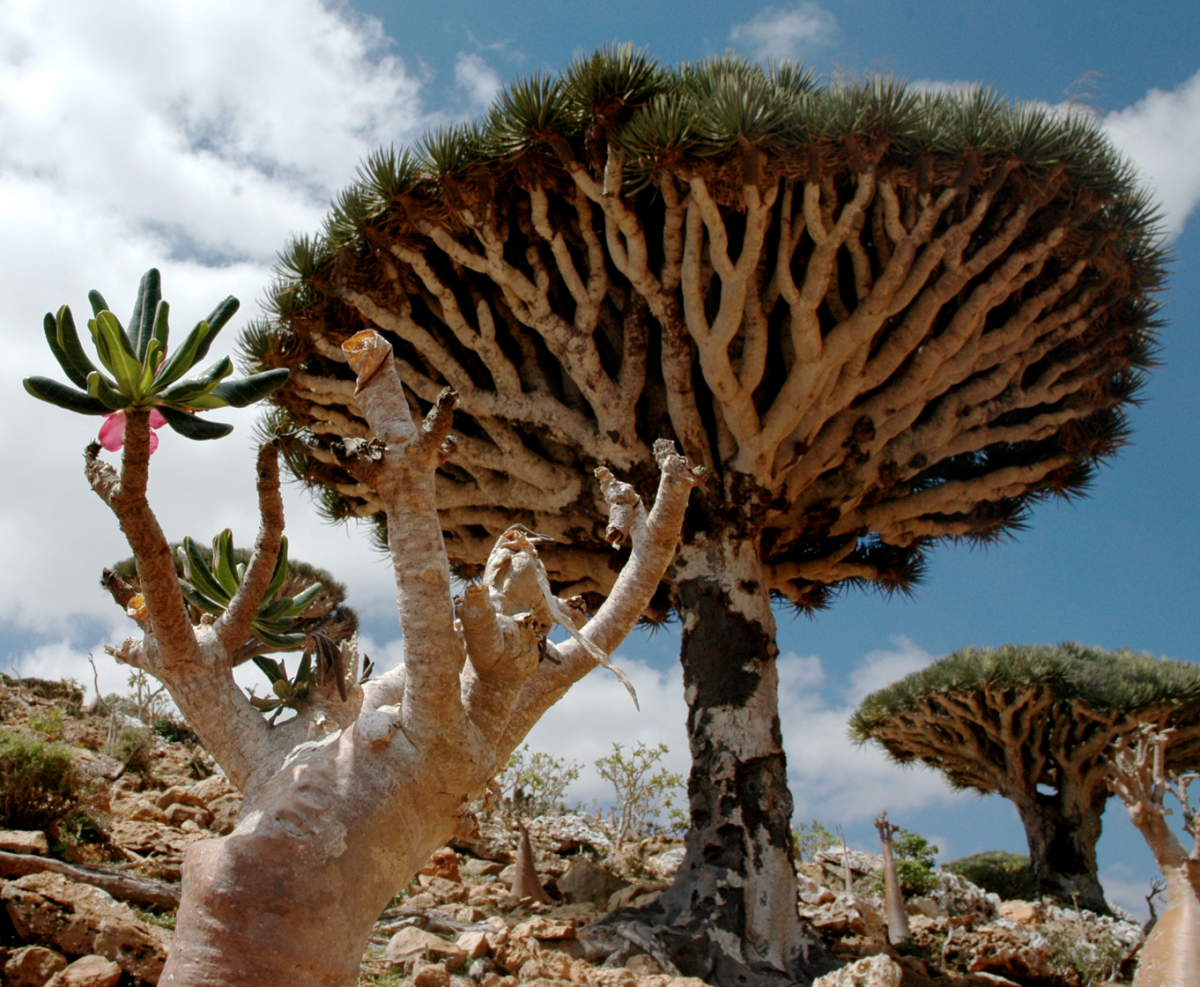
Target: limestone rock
<point x="1021" y="912"/>
<point x="179" y="812"/>
<point x="88" y="971"/>
<point x="32" y="966"/>
<point x="847" y="914"/>
<point x="178" y="795"/>
<point x="543" y="928"/>
<point x="431" y="975"/>
<point x="226" y="811"/>
<point x="24" y="841"/>
<point x="474" y="944"/>
<point x="443" y="890"/>
<point x="80" y="920"/>
<point x="444" y="864"/>
<point x="411" y="944"/>
<point x="481" y="868"/>
<point x="588" y="881"/>
<point x="871" y="971"/>
<point x="664" y="865"/>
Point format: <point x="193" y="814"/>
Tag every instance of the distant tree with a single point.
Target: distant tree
<point x="1034" y="724"/>
<point x="1142" y="776"/>
<point x="879" y="316"/>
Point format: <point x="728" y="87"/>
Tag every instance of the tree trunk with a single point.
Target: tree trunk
<point x="1062" y="848"/>
<point x="731" y="916"/>
<point x="1170" y="956"/>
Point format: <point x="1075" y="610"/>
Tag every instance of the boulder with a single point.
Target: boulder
<point x="474" y="944"/>
<point x="178" y="795"/>
<point x="442" y="889"/>
<point x="482" y="868"/>
<point x="444" y="864"/>
<point x="431" y="975"/>
<point x="870" y="971"/>
<point x="543" y="928"/>
<point x="178" y="813"/>
<point x="24" y="841"/>
<point x="226" y="811"/>
<point x="588" y="881"/>
<point x="1021" y="912"/>
<point x="80" y="920"/>
<point x="88" y="971"/>
<point x="847" y="914"/>
<point x="32" y="966"/>
<point x="413" y="944"/>
<point x="664" y="865"/>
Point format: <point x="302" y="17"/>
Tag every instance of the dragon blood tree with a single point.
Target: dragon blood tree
<point x="348" y="797"/>
<point x="1036" y="724"/>
<point x="879" y="317"/>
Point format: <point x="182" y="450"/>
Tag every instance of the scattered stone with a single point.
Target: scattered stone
<point x="416" y="944"/>
<point x="88" y="971"/>
<point x="664" y="865"/>
<point x="32" y="966"/>
<point x="80" y="920"/>
<point x="541" y="927"/>
<point x="871" y="971"/>
<point x="180" y="812"/>
<point x="469" y="915"/>
<point x="1022" y="912"/>
<point x="588" y="881"/>
<point x="476" y="867"/>
<point x="24" y="841"/>
<point x="474" y="944"/>
<point x="431" y="975"/>
<point x="226" y="812"/>
<point x="443" y="863"/>
<point x="178" y="795"/>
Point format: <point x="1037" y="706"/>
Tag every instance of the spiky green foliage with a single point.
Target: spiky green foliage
<point x="1122" y="681"/>
<point x="143" y="374"/>
<point x="300" y="601"/>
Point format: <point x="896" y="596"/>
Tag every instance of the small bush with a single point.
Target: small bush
<point x="38" y="782"/>
<point x="534" y="783"/>
<point x="643" y="796"/>
<point x="173" y="731"/>
<point x="132" y="748"/>
<point x="810" y="840"/>
<point x="48" y="721"/>
<point x="1002" y="873"/>
<point x="914" y="864"/>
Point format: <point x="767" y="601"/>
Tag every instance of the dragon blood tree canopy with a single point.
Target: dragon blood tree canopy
<point x="1037" y="724"/>
<point x="880" y="316"/>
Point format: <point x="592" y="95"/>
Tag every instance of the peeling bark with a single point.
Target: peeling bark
<point x="731" y="914"/>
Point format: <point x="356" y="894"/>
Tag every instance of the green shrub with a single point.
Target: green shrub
<point x="48" y="721"/>
<point x="810" y="840"/>
<point x="534" y="783"/>
<point x="1002" y="873"/>
<point x="132" y="748"/>
<point x="173" y="730"/>
<point x="38" y="782"/>
<point x="914" y="864"/>
<point x="644" y="804"/>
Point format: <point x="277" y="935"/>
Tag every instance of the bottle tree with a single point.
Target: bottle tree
<point x="1036" y="724"/>
<point x="879" y="318"/>
<point x="346" y="798"/>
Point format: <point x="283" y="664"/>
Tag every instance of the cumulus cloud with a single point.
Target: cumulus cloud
<point x="829" y="776"/>
<point x="1161" y="133"/>
<point x="785" y="32"/>
<point x="195" y="138"/>
<point x="477" y="79"/>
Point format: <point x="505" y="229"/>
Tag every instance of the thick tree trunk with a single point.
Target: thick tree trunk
<point x="1062" y="848"/>
<point x="731" y="916"/>
<point x="1170" y="956"/>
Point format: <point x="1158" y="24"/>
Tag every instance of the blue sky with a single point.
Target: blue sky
<point x="195" y="137"/>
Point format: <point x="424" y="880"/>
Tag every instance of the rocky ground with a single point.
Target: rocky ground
<point x="458" y="924"/>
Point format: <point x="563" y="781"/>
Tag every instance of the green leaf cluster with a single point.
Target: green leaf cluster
<point x="1123" y="681"/>
<point x="210" y="585"/>
<point x="914" y="864"/>
<point x="998" y="871"/>
<point x="136" y="371"/>
<point x="534" y="783"/>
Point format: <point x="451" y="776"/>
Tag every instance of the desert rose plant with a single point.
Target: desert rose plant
<point x="346" y="799"/>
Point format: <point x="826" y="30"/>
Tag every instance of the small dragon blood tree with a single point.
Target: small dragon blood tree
<point x="347" y="798"/>
<point x="1035" y="724"/>
<point x="880" y="317"/>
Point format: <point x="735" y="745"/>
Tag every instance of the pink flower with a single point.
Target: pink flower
<point x="112" y="432"/>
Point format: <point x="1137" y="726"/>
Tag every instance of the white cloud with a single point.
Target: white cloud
<point x="1161" y="133"/>
<point x="477" y="78"/>
<point x="784" y="32"/>
<point x="195" y="138"/>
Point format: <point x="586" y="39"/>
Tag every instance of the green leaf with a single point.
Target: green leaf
<point x="192" y="388"/>
<point x="271" y="611"/>
<point x="277" y="625"/>
<point x="75" y="375"/>
<point x="97" y="301"/>
<point x="301" y="601"/>
<point x="53" y="392"/>
<point x="288" y="641"/>
<point x="191" y="427"/>
<point x="222" y="561"/>
<point x="141" y="323"/>
<point x="68" y="342"/>
<point x="150" y="366"/>
<point x="264" y="705"/>
<point x="201" y="575"/>
<point x="99" y="387"/>
<point x="183" y="359"/>
<point x="216" y="322"/>
<point x="244" y="392"/>
<point x="281" y="571"/>
<point x="199" y="600"/>
<point x="126" y="366"/>
<point x="162" y="330"/>
<point x="100" y="344"/>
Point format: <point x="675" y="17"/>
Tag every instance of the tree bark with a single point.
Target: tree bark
<point x="731" y="916"/>
<point x="1062" y="847"/>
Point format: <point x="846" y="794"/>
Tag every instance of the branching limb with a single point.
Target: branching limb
<point x="233" y="626"/>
